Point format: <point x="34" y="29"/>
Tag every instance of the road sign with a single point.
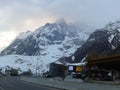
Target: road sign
<point x="78" y="69"/>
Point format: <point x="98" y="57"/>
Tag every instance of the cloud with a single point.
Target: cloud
<point x="22" y="15"/>
<point x="95" y="13"/>
<point x="15" y="14"/>
<point x="6" y="38"/>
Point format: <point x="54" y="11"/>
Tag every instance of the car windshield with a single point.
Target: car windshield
<point x="59" y="44"/>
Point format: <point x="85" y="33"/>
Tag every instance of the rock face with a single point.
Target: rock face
<point x="50" y="41"/>
<point x="102" y="41"/>
<point x="27" y="46"/>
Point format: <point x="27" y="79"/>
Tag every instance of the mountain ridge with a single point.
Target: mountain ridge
<point x="60" y="36"/>
<point x="52" y="45"/>
<point x="101" y="41"/>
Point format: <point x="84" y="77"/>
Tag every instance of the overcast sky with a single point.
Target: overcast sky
<point x="21" y="15"/>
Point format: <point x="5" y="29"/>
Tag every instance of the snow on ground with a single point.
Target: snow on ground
<point x="50" y="54"/>
<point x="24" y="63"/>
<point x="76" y="64"/>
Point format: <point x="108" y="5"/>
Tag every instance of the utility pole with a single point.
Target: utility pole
<point x="37" y="67"/>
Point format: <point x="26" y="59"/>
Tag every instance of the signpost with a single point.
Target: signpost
<point x="71" y="68"/>
<point x="78" y="69"/>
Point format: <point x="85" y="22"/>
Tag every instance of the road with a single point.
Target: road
<point x="14" y="83"/>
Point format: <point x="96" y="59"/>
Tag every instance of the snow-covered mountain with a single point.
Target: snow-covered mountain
<point x="101" y="41"/>
<point x="49" y="42"/>
<point x="58" y="37"/>
<point x="59" y="41"/>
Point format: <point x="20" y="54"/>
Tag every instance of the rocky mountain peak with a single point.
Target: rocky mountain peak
<point x="111" y="26"/>
<point x="61" y="37"/>
<point x="24" y="35"/>
<point x="101" y="41"/>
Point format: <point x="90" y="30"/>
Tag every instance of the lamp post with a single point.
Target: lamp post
<point x="37" y="67"/>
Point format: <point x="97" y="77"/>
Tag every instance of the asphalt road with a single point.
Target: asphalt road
<point x="14" y="83"/>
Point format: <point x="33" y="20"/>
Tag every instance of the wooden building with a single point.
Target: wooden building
<point x="103" y="67"/>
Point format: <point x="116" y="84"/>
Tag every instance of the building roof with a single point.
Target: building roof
<point x="76" y="64"/>
<point x="109" y="62"/>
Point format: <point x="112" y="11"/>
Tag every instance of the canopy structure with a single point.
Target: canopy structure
<point x="104" y="62"/>
<point x="103" y="67"/>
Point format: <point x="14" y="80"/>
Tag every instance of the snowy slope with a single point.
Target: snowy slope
<point x="24" y="63"/>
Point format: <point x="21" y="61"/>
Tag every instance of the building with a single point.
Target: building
<point x="57" y="70"/>
<point x="77" y="70"/>
<point x="103" y="67"/>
